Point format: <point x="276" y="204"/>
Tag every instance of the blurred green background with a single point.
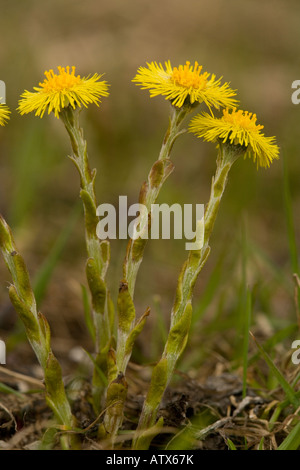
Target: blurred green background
<point x="253" y="44"/>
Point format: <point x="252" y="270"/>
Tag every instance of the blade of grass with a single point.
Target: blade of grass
<point x="246" y="340"/>
<point x="160" y="332"/>
<point x="230" y="444"/>
<point x="292" y="441"/>
<point x="186" y="437"/>
<point x="277" y="412"/>
<point x="87" y="313"/>
<point x="243" y="311"/>
<point x="209" y="292"/>
<point x="278" y="337"/>
<point x="6" y="389"/>
<point x="296" y="379"/>
<point x="289" y="391"/>
<point x="290" y="226"/>
<point x="29" y="169"/>
<point x="297" y="296"/>
<point x="289" y="216"/>
<point x="261" y="444"/>
<point x="160" y="319"/>
<point x="277" y="273"/>
<point x="100" y="372"/>
<point x="44" y="274"/>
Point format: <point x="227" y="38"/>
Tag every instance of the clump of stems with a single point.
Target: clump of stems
<point x="182" y="309"/>
<point x="98" y="254"/>
<point x="128" y="326"/>
<point x="236" y="134"/>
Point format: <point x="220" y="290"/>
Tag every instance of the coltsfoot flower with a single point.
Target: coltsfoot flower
<point x="237" y="127"/>
<point x="186" y="83"/>
<point x="58" y="91"/>
<point x="4" y="114"/>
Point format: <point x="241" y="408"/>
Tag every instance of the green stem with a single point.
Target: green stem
<point x="97" y="251"/>
<point x="149" y="192"/>
<point x="37" y="329"/>
<point x="182" y="308"/>
<point x="129" y="327"/>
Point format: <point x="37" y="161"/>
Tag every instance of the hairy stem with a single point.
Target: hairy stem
<point x="98" y="251"/>
<point x="128" y="326"/>
<point x="182" y="309"/>
<point x="37" y="330"/>
<point x="149" y="192"/>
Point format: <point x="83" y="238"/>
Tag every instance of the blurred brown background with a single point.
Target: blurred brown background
<point x="252" y="44"/>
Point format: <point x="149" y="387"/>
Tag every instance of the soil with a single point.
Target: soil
<point x="24" y="416"/>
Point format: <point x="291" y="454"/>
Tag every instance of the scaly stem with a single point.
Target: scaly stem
<point x="128" y="326"/>
<point x="182" y="308"/>
<point x="98" y="251"/>
<point x="37" y="331"/>
<point x="149" y="192"/>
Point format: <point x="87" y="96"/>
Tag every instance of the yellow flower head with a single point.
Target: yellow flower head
<point x="237" y="127"/>
<point x="4" y="114"/>
<point x="186" y="82"/>
<point x="58" y="91"/>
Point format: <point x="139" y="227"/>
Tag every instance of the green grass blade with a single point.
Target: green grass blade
<point x="159" y="333"/>
<point x="6" y="389"/>
<point x="247" y="322"/>
<point x="261" y="444"/>
<point x="296" y="379"/>
<point x="99" y="371"/>
<point x="292" y="441"/>
<point x="289" y="217"/>
<point x="32" y="162"/>
<point x="277" y="338"/>
<point x="87" y="313"/>
<point x="277" y="273"/>
<point x="290" y="393"/>
<point x="210" y="290"/>
<point x="230" y="444"/>
<point x="44" y="274"/>
<point x="161" y="325"/>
